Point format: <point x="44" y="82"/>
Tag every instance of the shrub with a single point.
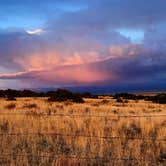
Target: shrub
<point x="77" y="98"/>
<point x="128" y="96"/>
<point x="132" y="130"/>
<point x="28" y="93"/>
<point x="10" y="98"/>
<point x="159" y="98"/>
<point x="104" y="101"/>
<point x="30" y="106"/>
<point x="61" y="95"/>
<point x="119" y="100"/>
<point x="4" y="127"/>
<point x="65" y="95"/>
<point x="10" y="106"/>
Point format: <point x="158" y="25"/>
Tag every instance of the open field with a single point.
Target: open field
<point x="100" y="132"/>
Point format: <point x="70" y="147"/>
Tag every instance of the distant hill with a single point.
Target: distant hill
<point x="113" y="88"/>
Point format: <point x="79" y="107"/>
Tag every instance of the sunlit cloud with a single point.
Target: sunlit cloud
<point x="63" y="75"/>
<point x="36" y="32"/>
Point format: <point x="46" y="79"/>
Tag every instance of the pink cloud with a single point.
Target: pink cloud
<point x="63" y="74"/>
<point x="53" y="58"/>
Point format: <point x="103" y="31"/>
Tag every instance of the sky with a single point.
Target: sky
<point x="83" y="43"/>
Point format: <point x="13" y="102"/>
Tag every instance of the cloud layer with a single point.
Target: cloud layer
<point x="81" y="43"/>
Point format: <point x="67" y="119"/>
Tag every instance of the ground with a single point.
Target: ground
<point x="100" y="131"/>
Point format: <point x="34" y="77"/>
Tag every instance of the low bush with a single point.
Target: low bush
<point x="77" y="98"/>
<point x="65" y="95"/>
<point x="10" y="106"/>
<point x="30" y="106"/>
<point x="10" y="98"/>
<point x="128" y="96"/>
<point x="104" y="101"/>
<point x="159" y="98"/>
<point x="119" y="100"/>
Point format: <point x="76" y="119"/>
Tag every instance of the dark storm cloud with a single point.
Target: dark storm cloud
<point x="101" y="14"/>
<point x="105" y="14"/>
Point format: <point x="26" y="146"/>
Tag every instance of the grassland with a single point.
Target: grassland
<point x="34" y="132"/>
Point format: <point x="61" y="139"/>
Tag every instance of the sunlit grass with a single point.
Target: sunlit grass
<point x="81" y="140"/>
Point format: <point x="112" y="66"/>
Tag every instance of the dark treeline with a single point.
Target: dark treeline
<point x="58" y="95"/>
<point x="64" y="95"/>
<point x="158" y="98"/>
<point x="30" y="93"/>
<point x="19" y="93"/>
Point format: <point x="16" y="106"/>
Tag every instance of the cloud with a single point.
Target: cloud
<point x="83" y="46"/>
<point x="106" y="14"/>
<point x="35" y="32"/>
<point x="133" y="63"/>
<point x="62" y="75"/>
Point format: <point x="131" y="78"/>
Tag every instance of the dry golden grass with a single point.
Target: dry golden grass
<point x="28" y="138"/>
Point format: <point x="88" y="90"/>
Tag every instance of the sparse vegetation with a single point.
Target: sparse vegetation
<point x="119" y="100"/>
<point x="10" y="106"/>
<point x="65" y="95"/>
<point x="11" y="98"/>
<point x="158" y="98"/>
<point x="30" y="106"/>
<point x="85" y="140"/>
